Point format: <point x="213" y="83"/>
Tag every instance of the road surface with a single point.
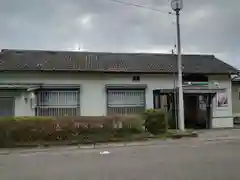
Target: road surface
<point x="180" y="160"/>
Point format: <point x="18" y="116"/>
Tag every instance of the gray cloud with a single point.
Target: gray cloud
<point x="101" y="25"/>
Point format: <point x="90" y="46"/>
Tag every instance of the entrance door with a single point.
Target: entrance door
<point x="198" y="112"/>
<point x="205" y="110"/>
<point x="6" y="106"/>
<point x="203" y="119"/>
<point x="191" y="110"/>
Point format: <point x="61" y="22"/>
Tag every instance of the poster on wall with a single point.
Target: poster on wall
<point x="222" y="99"/>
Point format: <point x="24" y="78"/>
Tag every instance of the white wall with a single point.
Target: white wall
<point x="23" y="105"/>
<point x="222" y="117"/>
<point x="93" y="93"/>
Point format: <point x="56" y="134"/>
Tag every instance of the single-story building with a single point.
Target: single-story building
<point x="64" y="83"/>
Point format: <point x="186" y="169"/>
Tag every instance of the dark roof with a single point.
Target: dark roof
<point x="35" y="60"/>
<point x="236" y="79"/>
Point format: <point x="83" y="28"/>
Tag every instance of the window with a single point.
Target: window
<point x="58" y="103"/>
<point x="124" y="102"/>
<point x="136" y="78"/>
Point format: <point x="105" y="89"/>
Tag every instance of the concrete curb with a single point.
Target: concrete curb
<point x="110" y="145"/>
<point x="220" y="138"/>
<point x="80" y="147"/>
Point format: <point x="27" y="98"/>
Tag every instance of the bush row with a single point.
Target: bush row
<point x="36" y="129"/>
<point x="84" y="129"/>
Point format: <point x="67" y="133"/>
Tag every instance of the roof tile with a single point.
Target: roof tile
<point x="16" y="60"/>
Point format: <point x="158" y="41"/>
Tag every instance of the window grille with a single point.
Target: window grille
<point x="125" y="102"/>
<point x="58" y="103"/>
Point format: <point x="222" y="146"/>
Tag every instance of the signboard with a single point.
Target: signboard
<point x="196" y="84"/>
<point x="222" y="99"/>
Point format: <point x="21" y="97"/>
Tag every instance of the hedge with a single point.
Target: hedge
<point x="155" y="121"/>
<point x="14" y="130"/>
<point x="82" y="129"/>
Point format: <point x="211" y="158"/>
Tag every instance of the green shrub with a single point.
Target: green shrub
<point x="6" y="119"/>
<point x="34" y="118"/>
<point x="27" y="118"/>
<point x="171" y="121"/>
<point x="49" y="129"/>
<point x="155" y="121"/>
<point x="5" y="135"/>
<point x="133" y="123"/>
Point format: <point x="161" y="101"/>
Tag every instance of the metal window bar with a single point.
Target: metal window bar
<point x="125" y="102"/>
<point x="58" y="103"/>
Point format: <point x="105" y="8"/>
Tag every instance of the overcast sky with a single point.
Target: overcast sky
<point x="207" y="26"/>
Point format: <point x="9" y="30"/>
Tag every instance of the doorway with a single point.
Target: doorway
<point x="167" y="101"/>
<point x="197" y="109"/>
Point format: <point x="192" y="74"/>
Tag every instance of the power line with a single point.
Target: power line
<point x="141" y="6"/>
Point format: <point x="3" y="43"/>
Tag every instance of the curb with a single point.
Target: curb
<point x="110" y="145"/>
<point x="221" y="138"/>
<point x="81" y="147"/>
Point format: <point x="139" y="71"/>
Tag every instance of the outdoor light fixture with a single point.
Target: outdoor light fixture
<point x="177" y="5"/>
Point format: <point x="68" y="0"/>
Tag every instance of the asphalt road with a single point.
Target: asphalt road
<point x="181" y="160"/>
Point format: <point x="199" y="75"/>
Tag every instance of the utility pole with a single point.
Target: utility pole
<point x="177" y="5"/>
